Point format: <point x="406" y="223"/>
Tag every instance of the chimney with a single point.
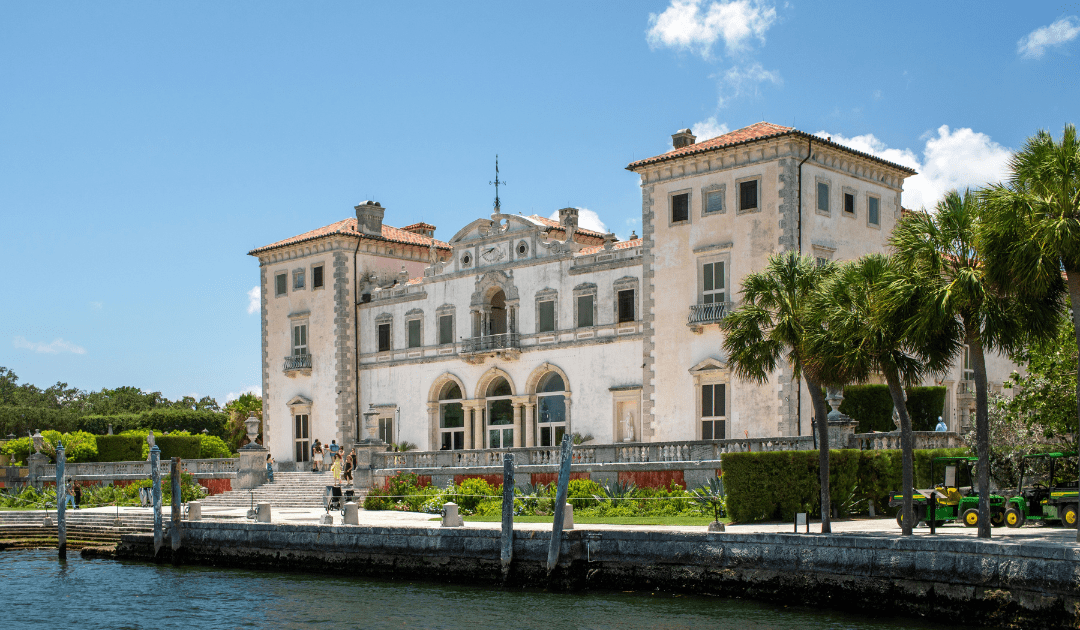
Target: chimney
<point x="369" y="216"/>
<point x="568" y="218"/>
<point x="682" y="138"/>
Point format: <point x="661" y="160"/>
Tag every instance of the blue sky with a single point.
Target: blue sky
<point x="146" y="147"/>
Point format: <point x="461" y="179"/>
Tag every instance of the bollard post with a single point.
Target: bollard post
<point x="61" y="503"/>
<point x="565" y="456"/>
<point x="507" y="553"/>
<point x="155" y="476"/>
<point x="933" y="511"/>
<point x="174" y="528"/>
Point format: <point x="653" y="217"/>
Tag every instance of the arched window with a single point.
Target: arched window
<point x="500" y="414"/>
<point x="551" y="409"/>
<point x="451" y="418"/>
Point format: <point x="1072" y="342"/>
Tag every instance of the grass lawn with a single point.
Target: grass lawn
<point x="606" y="520"/>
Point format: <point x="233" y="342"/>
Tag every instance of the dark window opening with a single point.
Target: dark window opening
<point x="626" y="306"/>
<point x="748" y="195"/>
<point x="384" y="337"/>
<point x="823" y="197"/>
<point x="546" y="316"/>
<point x="585" y="308"/>
<point x="446" y="329"/>
<point x="849" y="203"/>
<point x="414" y="333"/>
<point x="281" y="284"/>
<point x="680" y="207"/>
<point x="316" y="278"/>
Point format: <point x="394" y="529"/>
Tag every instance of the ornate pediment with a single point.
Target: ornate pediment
<point x="299" y="401"/>
<point x="709" y="365"/>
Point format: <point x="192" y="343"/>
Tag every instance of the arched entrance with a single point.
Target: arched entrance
<point x="451" y="418"/>
<point x="550" y="409"/>
<point x="499" y="414"/>
<point x="497" y="317"/>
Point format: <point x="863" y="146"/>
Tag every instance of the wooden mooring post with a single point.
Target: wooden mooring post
<point x="507" y="553"/>
<point x="155" y="476"/>
<point x="174" y="527"/>
<point x="565" y="457"/>
<point x="61" y="503"/>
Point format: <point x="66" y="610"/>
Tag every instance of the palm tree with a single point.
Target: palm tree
<point x="944" y="249"/>
<point x="770" y="326"/>
<point x="867" y="308"/>
<point x="1033" y="225"/>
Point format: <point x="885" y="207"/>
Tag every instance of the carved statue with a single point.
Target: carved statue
<point x="628" y="427"/>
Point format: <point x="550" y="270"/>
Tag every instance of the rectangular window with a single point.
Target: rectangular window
<point x="713" y="411"/>
<point x="873" y="210"/>
<point x="968" y="371"/>
<point x="386" y="429"/>
<point x="414" y="333"/>
<point x="821" y="262"/>
<point x="317" y="277"/>
<point x="714" y="202"/>
<point x="849" y="203"/>
<point x="298" y="279"/>
<point x="680" y="207"/>
<point x="626" y="306"/>
<point x="712" y="283"/>
<point x="823" y="197"/>
<point x="384" y="337"/>
<point x="281" y="283"/>
<point x="299" y="339"/>
<point x="584" y="311"/>
<point x="748" y="194"/>
<point x="545" y="316"/>
<point x="446" y="329"/>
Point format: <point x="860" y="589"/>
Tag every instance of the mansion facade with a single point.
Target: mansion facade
<point x="520" y="329"/>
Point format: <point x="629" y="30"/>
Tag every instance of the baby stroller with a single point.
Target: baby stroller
<point x="333" y="498"/>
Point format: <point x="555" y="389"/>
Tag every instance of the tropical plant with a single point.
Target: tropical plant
<point x="713" y="496"/>
<point x="581" y="438"/>
<point x="616" y="491"/>
<point x="947" y="251"/>
<point x="401" y="447"/>
<point x="239" y="410"/>
<point x="770" y="326"/>
<point x="866" y="308"/>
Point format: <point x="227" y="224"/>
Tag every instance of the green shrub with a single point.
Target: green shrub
<point x="119" y="448"/>
<point x="213" y="447"/>
<point x="79" y="446"/>
<point x="581" y="493"/>
<point x="470" y="492"/>
<point x="18" y="450"/>
<point x="870" y="405"/>
<point x="25" y="420"/>
<point x="376" y="499"/>
<point x="160" y="420"/>
<point x="924" y="405"/>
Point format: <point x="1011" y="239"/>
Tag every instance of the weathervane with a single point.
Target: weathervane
<point x="496" y="183"/>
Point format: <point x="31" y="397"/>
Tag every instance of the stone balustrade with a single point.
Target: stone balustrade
<point x="112" y="471"/>
<point x="922" y="439"/>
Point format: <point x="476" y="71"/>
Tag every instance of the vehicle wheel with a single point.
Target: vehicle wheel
<point x="1068" y="516"/>
<point x="971" y="518"/>
<point x="1013" y="517"/>
<point x="900" y="519"/>
<point x="997" y="519"/>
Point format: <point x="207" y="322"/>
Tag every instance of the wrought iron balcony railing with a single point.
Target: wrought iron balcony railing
<point x="702" y="314"/>
<point x="491" y="343"/>
<point x="298" y="362"/>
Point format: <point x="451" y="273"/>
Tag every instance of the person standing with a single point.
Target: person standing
<point x="69" y="496"/>
<point x="316" y="456"/>
<point x="78" y="494"/>
<point x="270" y="467"/>
<point x="327" y="458"/>
<point x="335" y="468"/>
<point x="346" y="472"/>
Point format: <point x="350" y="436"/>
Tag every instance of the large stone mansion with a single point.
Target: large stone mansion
<point x="520" y="328"/>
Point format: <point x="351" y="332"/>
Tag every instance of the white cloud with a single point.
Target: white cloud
<point x="254" y="389"/>
<point x="254" y="300"/>
<point x="686" y="24"/>
<point x="708" y="128"/>
<point x="878" y="95"/>
<point x="586" y="219"/>
<point x="738" y="81"/>
<point x="57" y="346"/>
<point x="96" y="305"/>
<point x="959" y="159"/>
<point x="1034" y="44"/>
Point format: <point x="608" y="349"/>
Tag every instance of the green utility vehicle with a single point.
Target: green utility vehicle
<point x="1050" y="501"/>
<point x="955" y="499"/>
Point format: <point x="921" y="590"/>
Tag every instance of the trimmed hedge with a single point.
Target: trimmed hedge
<point x="778" y="484"/>
<point x="870" y="405"/>
<point x="182" y="446"/>
<point x="23" y="420"/>
<point x="119" y="448"/>
<point x="924" y="405"/>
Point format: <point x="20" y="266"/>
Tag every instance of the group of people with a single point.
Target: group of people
<point x="334" y="459"/>
<point x="73" y="493"/>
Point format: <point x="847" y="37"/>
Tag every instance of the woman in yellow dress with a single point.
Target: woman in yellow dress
<point x="336" y="469"/>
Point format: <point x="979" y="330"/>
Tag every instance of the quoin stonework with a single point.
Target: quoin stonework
<point x="519" y="329"/>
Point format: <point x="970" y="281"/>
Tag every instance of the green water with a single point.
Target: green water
<point x="40" y="591"/>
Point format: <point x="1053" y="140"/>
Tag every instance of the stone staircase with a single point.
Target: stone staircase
<point x="26" y="529"/>
<point x="289" y="490"/>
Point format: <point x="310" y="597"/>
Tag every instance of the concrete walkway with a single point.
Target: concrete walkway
<point x="876" y="527"/>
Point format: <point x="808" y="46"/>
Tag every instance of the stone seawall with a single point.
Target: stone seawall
<point x="1029" y="585"/>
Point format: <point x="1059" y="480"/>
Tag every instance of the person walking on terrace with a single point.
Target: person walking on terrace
<point x="270" y="467"/>
<point x="336" y="469"/>
<point x="346" y="472"/>
<point x="327" y="458"/>
<point x="78" y="494"/>
<point x="316" y="456"/>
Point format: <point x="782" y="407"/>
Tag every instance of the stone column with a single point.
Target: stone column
<point x="468" y="409"/>
<point x="517" y="425"/>
<point x="566" y="401"/>
<point x="530" y="424"/>
<point x="433" y="426"/>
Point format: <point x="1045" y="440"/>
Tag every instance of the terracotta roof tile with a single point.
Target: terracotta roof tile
<point x="589" y="235"/>
<point x="617" y="245"/>
<point x="757" y="131"/>
<point x="347" y="227"/>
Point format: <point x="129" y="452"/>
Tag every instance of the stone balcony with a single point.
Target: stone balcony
<point x="702" y="315"/>
<point x="506" y="345"/>
<point x="297" y="364"/>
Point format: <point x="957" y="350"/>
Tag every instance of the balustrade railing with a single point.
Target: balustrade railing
<point x="921" y="439"/>
<point x="702" y="314"/>
<point x="298" y="362"/>
<point x="622" y="453"/>
<point x="491" y="343"/>
<point x="120" y="470"/>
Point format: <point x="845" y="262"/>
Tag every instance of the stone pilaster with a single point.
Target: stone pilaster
<point x="648" y="310"/>
<point x="344" y="347"/>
